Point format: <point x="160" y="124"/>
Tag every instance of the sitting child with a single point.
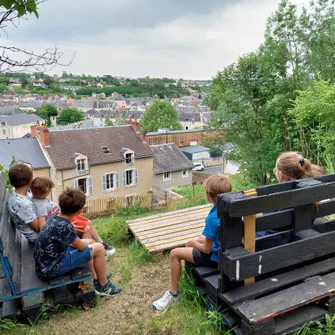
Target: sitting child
<point x="45" y="208"/>
<point x="59" y="250"/>
<point x="202" y="251"/>
<point x="20" y="206"/>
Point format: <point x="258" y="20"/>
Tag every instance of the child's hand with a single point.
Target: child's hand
<point x="190" y="244"/>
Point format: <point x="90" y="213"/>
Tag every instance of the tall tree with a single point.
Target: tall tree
<point x="160" y="114"/>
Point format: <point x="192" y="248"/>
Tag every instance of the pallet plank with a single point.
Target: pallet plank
<point x="187" y="235"/>
<point x="278" y="303"/>
<point x="239" y="265"/>
<point x="277" y="282"/>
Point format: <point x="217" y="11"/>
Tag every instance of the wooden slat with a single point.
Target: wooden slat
<point x="182" y="225"/>
<point x="278" y="303"/>
<point x="172" y="223"/>
<point x="238" y="264"/>
<point x="249" y="233"/>
<point x="167" y="216"/>
<point x="178" y="238"/>
<point x="168" y="246"/>
<point x="180" y="212"/>
<point x="265" y="286"/>
<point x="29" y="281"/>
<point x="174" y="230"/>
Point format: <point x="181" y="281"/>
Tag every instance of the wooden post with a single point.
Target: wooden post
<point x="250" y="232"/>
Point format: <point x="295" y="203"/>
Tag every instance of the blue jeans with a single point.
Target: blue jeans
<point x="74" y="258"/>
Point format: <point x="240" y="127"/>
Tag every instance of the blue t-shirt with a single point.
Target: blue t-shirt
<point x="53" y="240"/>
<point x="211" y="231"/>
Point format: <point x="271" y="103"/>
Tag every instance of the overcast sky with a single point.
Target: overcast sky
<point x="190" y="39"/>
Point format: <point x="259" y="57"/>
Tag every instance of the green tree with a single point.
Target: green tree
<point x="4" y="172"/>
<point x="69" y="115"/>
<point x="160" y="114"/>
<point x="46" y="111"/>
<point x="313" y="112"/>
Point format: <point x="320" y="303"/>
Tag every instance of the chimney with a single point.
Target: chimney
<point x="44" y="136"/>
<point x="33" y="131"/>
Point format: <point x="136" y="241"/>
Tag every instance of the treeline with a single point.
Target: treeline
<point x="281" y="97"/>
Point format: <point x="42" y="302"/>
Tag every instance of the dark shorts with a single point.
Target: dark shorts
<point x="201" y="259"/>
<point x="74" y="258"/>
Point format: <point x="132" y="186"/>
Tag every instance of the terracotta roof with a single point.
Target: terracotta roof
<point x="89" y="142"/>
<point x="168" y="157"/>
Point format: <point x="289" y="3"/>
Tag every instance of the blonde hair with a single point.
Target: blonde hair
<point x="318" y="170"/>
<point x="41" y="186"/>
<point x="217" y="184"/>
<point x="294" y="165"/>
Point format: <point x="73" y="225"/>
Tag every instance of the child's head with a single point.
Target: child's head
<point x="72" y="201"/>
<point x="41" y="187"/>
<point x="20" y="175"/>
<point x="292" y="166"/>
<point x="318" y="170"/>
<point x="216" y="184"/>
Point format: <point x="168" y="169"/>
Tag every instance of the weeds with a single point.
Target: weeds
<point x="325" y="328"/>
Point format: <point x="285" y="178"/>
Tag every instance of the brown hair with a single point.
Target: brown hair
<point x="318" y="170"/>
<point x="20" y="175"/>
<point x="41" y="186"/>
<point x="71" y="201"/>
<point x="294" y="165"/>
<point x="217" y="184"/>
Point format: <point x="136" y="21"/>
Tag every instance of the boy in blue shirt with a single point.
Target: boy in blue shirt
<point x="59" y="250"/>
<point x="202" y="251"/>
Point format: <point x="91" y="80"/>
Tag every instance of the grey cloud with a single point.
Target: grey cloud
<point x="64" y="20"/>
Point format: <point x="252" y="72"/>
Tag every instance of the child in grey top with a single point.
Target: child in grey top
<point x="20" y="206"/>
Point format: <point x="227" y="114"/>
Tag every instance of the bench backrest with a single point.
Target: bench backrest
<point x="10" y="242"/>
<point x="291" y="210"/>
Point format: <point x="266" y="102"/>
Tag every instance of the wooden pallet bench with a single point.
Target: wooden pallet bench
<point x="276" y="283"/>
<point x="169" y="230"/>
<point x="21" y="291"/>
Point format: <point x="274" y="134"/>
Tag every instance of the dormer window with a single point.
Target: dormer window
<point x="81" y="165"/>
<point x="129" y="158"/>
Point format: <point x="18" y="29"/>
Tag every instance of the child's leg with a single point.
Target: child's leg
<point x="99" y="262"/>
<point x="176" y="256"/>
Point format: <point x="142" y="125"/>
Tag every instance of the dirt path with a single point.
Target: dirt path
<point x="127" y="313"/>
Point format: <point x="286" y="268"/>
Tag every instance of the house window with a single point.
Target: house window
<point x="85" y="184"/>
<point x="167" y="176"/>
<point x="109" y="181"/>
<point x="81" y="165"/>
<point x="129" y="158"/>
<point x="4" y="131"/>
<point x="130" y="177"/>
<point x="184" y="174"/>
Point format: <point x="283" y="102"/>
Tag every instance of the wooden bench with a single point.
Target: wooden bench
<point x="21" y="291"/>
<point x="276" y="283"/>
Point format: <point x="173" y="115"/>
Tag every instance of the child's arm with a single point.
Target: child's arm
<point x="205" y="247"/>
<point x="81" y="244"/>
<point x="41" y="221"/>
<point x="34" y="225"/>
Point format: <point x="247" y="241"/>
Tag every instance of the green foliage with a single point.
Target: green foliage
<point x="314" y="111"/>
<point x="321" y="328"/>
<point x="4" y="172"/>
<point x="46" y="111"/>
<point x="160" y="114"/>
<point x="22" y="7"/>
<point x="252" y="98"/>
<point x="69" y="115"/>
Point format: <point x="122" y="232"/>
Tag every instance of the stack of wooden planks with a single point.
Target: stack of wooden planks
<point x="169" y="230"/>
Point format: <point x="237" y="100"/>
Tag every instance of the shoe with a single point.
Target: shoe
<point x="108" y="276"/>
<point x="109" y="250"/>
<point x="108" y="290"/>
<point x="165" y="301"/>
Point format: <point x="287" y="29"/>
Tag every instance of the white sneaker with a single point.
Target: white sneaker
<point x="165" y="301"/>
